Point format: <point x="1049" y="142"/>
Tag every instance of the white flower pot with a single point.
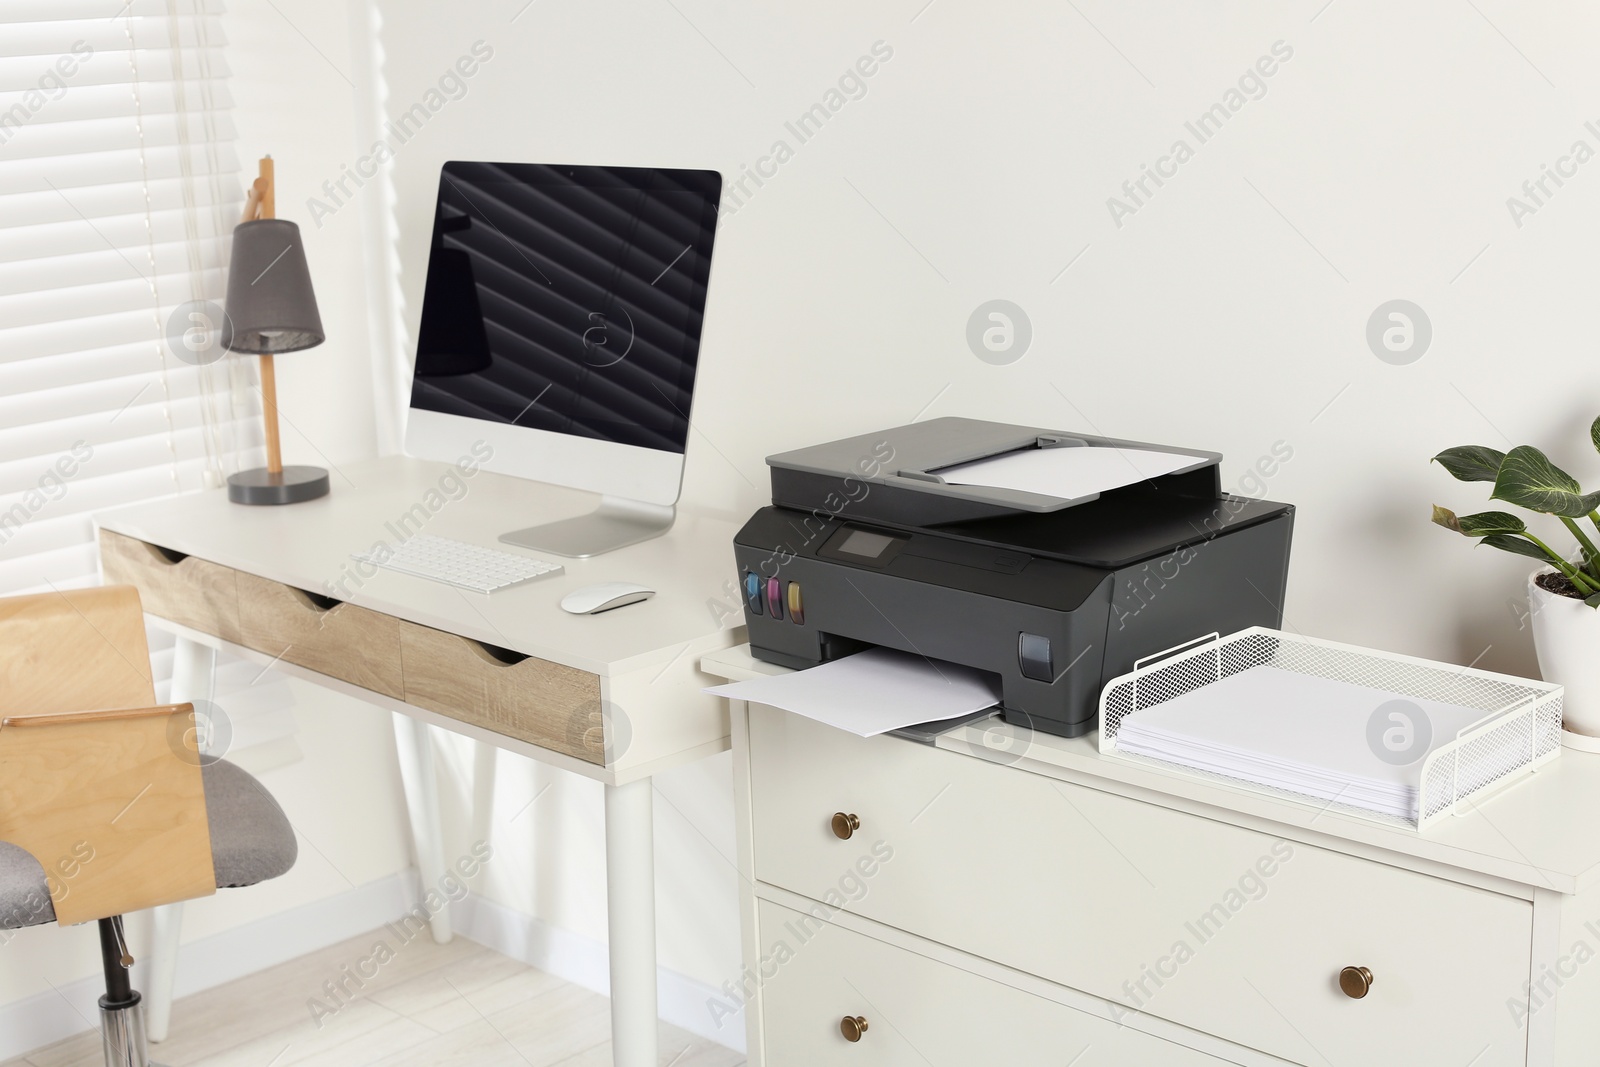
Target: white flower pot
<point x="1566" y="635"/>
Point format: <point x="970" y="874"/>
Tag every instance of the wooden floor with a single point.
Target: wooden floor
<point x="429" y="1006"/>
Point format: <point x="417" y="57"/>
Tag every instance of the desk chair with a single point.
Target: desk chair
<point x="106" y="804"/>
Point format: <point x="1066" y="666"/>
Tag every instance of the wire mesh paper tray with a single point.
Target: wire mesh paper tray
<point x="1520" y="728"/>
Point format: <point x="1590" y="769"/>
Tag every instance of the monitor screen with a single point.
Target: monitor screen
<point x="567" y="299"/>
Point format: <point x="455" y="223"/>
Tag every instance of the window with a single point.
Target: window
<point x="119" y="188"/>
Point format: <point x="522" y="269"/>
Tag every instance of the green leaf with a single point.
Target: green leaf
<point x="1528" y="479"/>
<point x="1519" y="546"/>
<point x="1472" y="463"/>
<point x="1592" y="601"/>
<point x="1594" y="433"/>
<point x="1481" y="524"/>
<point x="1490" y="522"/>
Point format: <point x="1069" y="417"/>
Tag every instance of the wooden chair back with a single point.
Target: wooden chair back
<point x="102" y="787"/>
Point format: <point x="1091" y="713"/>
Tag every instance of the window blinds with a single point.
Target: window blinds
<point x="119" y="188"/>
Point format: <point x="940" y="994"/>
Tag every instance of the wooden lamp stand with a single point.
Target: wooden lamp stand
<point x="271" y="309"/>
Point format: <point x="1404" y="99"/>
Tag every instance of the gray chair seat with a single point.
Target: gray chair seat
<point x="251" y="841"/>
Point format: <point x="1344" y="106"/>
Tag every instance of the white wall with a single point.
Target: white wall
<point x="1229" y="312"/>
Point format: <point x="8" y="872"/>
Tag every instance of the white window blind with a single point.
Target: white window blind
<point x="119" y="188"/>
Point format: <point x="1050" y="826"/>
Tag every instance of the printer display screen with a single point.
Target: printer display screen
<point x="865" y="544"/>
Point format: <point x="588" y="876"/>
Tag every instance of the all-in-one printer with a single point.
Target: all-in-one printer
<point x="867" y="545"/>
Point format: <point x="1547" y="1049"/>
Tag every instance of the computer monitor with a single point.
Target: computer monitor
<point x="560" y="334"/>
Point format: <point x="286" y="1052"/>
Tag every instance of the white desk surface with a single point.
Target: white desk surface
<point x="307" y="545"/>
<point x="1543" y="832"/>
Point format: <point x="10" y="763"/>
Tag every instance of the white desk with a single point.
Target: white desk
<point x="615" y="697"/>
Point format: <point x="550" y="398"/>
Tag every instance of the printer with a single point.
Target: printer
<point x="1056" y="587"/>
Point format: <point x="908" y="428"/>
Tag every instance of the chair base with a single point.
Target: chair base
<point x="123" y="1036"/>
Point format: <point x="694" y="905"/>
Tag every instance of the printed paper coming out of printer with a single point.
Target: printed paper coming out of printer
<point x="1069" y="472"/>
<point x="1298" y="732"/>
<point x="873" y="692"/>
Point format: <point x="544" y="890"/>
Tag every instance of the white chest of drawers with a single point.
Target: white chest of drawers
<point x="1039" y="904"/>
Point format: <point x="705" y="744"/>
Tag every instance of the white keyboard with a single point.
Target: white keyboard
<point x="463" y="565"/>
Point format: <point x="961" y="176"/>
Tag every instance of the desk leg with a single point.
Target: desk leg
<point x="194" y="668"/>
<point x="484" y="759"/>
<point x="631" y="900"/>
<point x="414" y="744"/>
<point x="166" y="930"/>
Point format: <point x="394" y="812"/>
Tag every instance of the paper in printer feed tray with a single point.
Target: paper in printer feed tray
<point x="1318" y="737"/>
<point x="873" y="692"/>
<point x="1069" y="473"/>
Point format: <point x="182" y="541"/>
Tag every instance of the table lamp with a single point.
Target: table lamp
<point x="270" y="309"/>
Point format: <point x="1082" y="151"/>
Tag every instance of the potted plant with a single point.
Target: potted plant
<point x="1564" y="592"/>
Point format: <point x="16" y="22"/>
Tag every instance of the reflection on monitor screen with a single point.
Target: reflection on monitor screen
<point x="567" y="299"/>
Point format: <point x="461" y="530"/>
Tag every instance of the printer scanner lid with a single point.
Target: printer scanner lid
<point x="895" y="475"/>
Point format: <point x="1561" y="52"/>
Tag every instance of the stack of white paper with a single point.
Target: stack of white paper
<point x="1068" y="472"/>
<point x="873" y="692"/>
<point x="1315" y="736"/>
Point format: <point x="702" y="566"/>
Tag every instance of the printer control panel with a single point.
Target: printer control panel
<point x="874" y="547"/>
<point x="860" y="544"/>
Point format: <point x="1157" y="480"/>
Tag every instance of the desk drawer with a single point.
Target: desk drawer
<point x="189" y="591"/>
<point x="547" y="704"/>
<point x="341" y="640"/>
<point x="920" y="1011"/>
<point x="1219" y="928"/>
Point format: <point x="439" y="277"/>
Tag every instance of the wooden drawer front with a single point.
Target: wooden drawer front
<point x="920" y="1011"/>
<point x="547" y="704"/>
<point x="188" y="591"/>
<point x="1219" y="928"/>
<point x="341" y="640"/>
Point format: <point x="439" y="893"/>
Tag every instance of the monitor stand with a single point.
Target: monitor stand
<point x="616" y="523"/>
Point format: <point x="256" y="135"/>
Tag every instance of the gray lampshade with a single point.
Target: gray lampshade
<point x="271" y="307"/>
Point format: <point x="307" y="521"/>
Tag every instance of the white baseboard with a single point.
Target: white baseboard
<point x="45" y="1018"/>
<point x="586" y="962"/>
<point x="254" y="947"/>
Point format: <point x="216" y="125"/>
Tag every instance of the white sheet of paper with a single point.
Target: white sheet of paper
<point x="1068" y="472"/>
<point x="1294" y="731"/>
<point x="873" y="692"/>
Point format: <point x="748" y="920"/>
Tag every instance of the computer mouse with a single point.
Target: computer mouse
<point x="592" y="599"/>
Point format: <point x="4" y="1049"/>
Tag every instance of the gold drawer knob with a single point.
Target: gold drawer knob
<point x="852" y="1027"/>
<point x="1355" y="981"/>
<point x="843" y="826"/>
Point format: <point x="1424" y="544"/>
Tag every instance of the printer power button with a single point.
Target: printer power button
<point x="1033" y="657"/>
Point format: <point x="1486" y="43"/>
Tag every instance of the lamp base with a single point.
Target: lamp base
<point x="292" y="485"/>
